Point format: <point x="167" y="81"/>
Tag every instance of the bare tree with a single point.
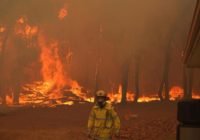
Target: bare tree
<point x="2" y="59"/>
<point x="97" y="75"/>
<point x="165" y="79"/>
<point x="137" y="77"/>
<point x="125" y="74"/>
<point x="187" y="82"/>
<point x="173" y="28"/>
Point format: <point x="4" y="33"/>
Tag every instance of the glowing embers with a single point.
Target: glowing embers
<point x="39" y="93"/>
<point x="195" y="96"/>
<point x="35" y="93"/>
<point x="42" y="93"/>
<point x="2" y="32"/>
<point x="116" y="97"/>
<point x="63" y="13"/>
<point x="2" y="29"/>
<point x="176" y="93"/>
<point x="25" y="30"/>
<point x="9" y="99"/>
<point x="151" y="98"/>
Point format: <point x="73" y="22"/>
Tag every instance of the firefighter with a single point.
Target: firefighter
<point x="103" y="121"/>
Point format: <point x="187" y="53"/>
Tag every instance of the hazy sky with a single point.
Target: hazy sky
<point x="104" y="32"/>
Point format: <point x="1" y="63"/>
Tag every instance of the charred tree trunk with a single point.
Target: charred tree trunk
<point x="125" y="73"/>
<point x="166" y="76"/>
<point x="165" y="80"/>
<point x="184" y="82"/>
<point x="99" y="59"/>
<point x="16" y="94"/>
<point x="96" y="80"/>
<point x="2" y="55"/>
<point x="137" y="79"/>
<point x="187" y="82"/>
<point x="97" y="72"/>
<point x="3" y="95"/>
<point x="190" y="83"/>
<point x="161" y="90"/>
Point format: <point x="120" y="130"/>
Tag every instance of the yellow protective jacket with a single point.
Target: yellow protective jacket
<point x="103" y="122"/>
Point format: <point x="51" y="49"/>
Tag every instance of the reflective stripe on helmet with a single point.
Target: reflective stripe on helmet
<point x="101" y="93"/>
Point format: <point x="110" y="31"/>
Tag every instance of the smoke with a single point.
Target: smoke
<point x="103" y="32"/>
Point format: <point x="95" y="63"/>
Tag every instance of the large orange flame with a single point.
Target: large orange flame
<point x="55" y="85"/>
<point x="9" y="100"/>
<point x="52" y="68"/>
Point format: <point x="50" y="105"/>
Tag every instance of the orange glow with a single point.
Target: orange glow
<point x="2" y="29"/>
<point x="9" y="100"/>
<point x="62" y="13"/>
<point x="36" y="92"/>
<point x="55" y="88"/>
<point x="148" y="99"/>
<point x="30" y="30"/>
<point x="116" y="97"/>
<point x="195" y="96"/>
<point x="25" y="30"/>
<point x="44" y="93"/>
<point x="176" y="93"/>
<point x="21" y="20"/>
<point x="52" y="68"/>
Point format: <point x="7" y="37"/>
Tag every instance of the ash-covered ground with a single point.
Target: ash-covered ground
<point x="144" y="121"/>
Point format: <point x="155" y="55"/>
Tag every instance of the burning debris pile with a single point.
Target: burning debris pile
<point x="40" y="93"/>
<point x="54" y="88"/>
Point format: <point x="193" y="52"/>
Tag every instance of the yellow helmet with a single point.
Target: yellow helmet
<point x="101" y="93"/>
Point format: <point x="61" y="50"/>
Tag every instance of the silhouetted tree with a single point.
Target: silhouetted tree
<point x="125" y="75"/>
<point x="165" y="79"/>
<point x="187" y="82"/>
<point x="137" y="77"/>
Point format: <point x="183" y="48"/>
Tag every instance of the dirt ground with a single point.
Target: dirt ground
<point x="144" y="121"/>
